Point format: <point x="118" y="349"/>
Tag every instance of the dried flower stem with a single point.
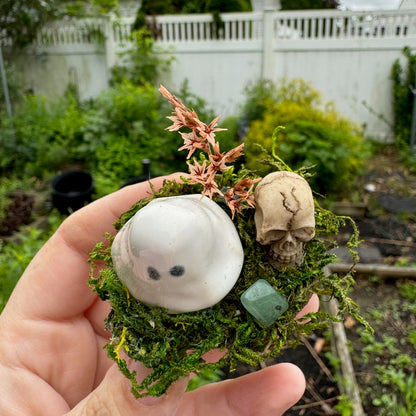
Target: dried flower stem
<point x="202" y="136"/>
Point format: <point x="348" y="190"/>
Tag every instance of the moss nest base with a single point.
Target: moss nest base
<point x="174" y="345"/>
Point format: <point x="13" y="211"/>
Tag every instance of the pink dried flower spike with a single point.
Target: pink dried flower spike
<point x="202" y="136"/>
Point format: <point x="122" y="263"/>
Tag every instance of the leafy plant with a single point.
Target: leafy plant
<point x="141" y="64"/>
<point x="15" y="256"/>
<point x="124" y="125"/>
<point x="403" y="77"/>
<point x="408" y="291"/>
<point x="402" y="402"/>
<point x="313" y="136"/>
<point x="391" y="356"/>
<point x="412" y="338"/>
<point x="260" y="96"/>
<point x="109" y="135"/>
<point x="345" y="405"/>
<point x="42" y="136"/>
<point x="21" y="21"/>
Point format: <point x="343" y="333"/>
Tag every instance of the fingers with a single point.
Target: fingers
<point x="113" y="397"/>
<point x="311" y="306"/>
<point x="269" y="392"/>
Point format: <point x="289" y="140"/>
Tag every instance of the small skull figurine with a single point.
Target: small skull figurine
<point x="284" y="217"/>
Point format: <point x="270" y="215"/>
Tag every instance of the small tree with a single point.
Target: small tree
<point x="20" y="19"/>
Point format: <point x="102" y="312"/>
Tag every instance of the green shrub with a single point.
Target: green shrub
<point x="109" y="135"/>
<point x="42" y="136"/>
<point x="264" y="94"/>
<point x="259" y="97"/>
<point x="314" y="136"/>
<point x="403" y="79"/>
<point x="230" y="137"/>
<point x="336" y="162"/>
<point x="124" y="125"/>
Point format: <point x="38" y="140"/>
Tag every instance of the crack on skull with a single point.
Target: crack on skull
<point x="286" y="202"/>
<point x="286" y="205"/>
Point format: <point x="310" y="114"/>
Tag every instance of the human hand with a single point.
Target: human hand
<point x="52" y="360"/>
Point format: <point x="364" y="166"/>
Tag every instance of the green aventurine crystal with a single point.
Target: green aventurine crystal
<point x="263" y="302"/>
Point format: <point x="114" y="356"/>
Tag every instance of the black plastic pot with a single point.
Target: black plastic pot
<point x="71" y="190"/>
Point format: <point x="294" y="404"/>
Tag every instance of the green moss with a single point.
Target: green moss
<point x="173" y="345"/>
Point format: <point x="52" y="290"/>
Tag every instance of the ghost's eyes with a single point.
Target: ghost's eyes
<point x="153" y="273"/>
<point x="177" y="271"/>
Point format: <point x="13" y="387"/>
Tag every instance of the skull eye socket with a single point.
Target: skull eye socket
<point x="304" y="234"/>
<point x="274" y="235"/>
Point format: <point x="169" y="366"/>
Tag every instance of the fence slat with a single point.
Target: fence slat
<point x="311" y="25"/>
<point x="313" y="28"/>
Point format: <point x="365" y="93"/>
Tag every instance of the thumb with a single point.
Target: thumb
<point x="113" y="397"/>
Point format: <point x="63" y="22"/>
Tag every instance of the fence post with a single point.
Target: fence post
<point x="110" y="44"/>
<point x="267" y="58"/>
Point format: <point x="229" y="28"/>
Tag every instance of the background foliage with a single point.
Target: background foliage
<point x="404" y="79"/>
<point x="140" y="64"/>
<point x="20" y="19"/>
<point x="314" y="135"/>
<point x="309" y="4"/>
<point x="151" y="7"/>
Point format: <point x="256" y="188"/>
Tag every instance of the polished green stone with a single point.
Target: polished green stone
<point x="263" y="302"/>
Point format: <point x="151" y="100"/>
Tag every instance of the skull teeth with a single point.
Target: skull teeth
<point x="290" y="258"/>
<point x="287" y="259"/>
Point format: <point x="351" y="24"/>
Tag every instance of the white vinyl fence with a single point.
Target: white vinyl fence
<point x="347" y="56"/>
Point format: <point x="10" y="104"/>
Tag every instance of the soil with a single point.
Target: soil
<point x="18" y="212"/>
<point x="388" y="231"/>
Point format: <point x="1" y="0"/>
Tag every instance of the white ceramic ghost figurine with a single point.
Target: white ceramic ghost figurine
<point x="182" y="253"/>
<point x="284" y="217"/>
